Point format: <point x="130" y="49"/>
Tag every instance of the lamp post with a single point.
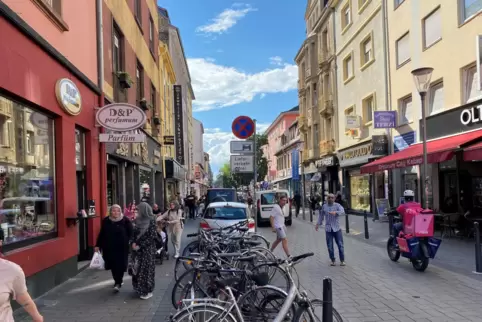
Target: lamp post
<point x="422" y="77"/>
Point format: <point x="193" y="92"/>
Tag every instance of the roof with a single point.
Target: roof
<point x="224" y="204"/>
<point x="294" y="110"/>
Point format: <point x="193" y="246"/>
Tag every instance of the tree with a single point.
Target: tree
<point x="261" y="162"/>
<point x="227" y="179"/>
<point x="210" y="175"/>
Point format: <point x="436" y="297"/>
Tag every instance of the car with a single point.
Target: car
<point x="265" y="199"/>
<point x="221" y="195"/>
<point x="224" y="214"/>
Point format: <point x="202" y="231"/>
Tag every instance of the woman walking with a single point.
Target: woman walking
<point x="144" y="252"/>
<point x="113" y="241"/>
<point x="174" y="217"/>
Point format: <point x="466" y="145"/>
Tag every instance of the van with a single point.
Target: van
<point x="266" y="199"/>
<point x="221" y="195"/>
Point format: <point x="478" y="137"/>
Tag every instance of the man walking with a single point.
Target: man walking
<point x="277" y="220"/>
<point x="297" y="200"/>
<point x="331" y="211"/>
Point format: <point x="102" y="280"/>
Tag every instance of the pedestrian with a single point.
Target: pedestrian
<point x="331" y="211"/>
<point x="144" y="252"/>
<point x="277" y="220"/>
<point x="174" y="217"/>
<point x="297" y="200"/>
<point x="155" y="209"/>
<point x="14" y="287"/>
<point x="113" y="241"/>
<point x="190" y="202"/>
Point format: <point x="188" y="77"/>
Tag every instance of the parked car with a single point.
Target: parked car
<point x="224" y="214"/>
<point x="264" y="204"/>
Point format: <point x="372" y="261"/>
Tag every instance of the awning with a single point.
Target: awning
<point x="473" y="152"/>
<point x="437" y="151"/>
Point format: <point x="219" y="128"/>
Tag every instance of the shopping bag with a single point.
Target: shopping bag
<point x="97" y="261"/>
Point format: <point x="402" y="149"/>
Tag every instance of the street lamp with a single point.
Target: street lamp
<point x="422" y="77"/>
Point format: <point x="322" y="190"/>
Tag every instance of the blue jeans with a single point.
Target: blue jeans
<point x="338" y="236"/>
<point x="397" y="228"/>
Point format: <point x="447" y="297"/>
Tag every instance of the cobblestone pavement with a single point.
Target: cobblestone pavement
<point x="369" y="288"/>
<point x="372" y="288"/>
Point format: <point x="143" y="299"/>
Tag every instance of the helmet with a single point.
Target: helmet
<point x="408" y="193"/>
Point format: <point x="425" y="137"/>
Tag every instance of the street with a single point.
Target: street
<point x="369" y="288"/>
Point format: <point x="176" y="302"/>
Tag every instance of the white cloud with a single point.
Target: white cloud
<point x="217" y="86"/>
<point x="226" y="19"/>
<point x="216" y="143"/>
<point x="276" y="60"/>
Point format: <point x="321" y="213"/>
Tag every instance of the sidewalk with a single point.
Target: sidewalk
<point x="454" y="254"/>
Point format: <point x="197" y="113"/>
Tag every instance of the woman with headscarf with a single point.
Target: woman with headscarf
<point x="174" y="216"/>
<point x="144" y="252"/>
<point x="113" y="242"/>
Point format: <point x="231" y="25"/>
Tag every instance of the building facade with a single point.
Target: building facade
<point x="131" y="75"/>
<point x="49" y="90"/>
<point x="317" y="92"/>
<point x="182" y="165"/>
<point x="430" y="34"/>
<point x="362" y="84"/>
<point x="200" y="170"/>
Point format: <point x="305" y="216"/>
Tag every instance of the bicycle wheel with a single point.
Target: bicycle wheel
<point x="263" y="304"/>
<point x="192" y="247"/>
<point x="277" y="276"/>
<point x="302" y="314"/>
<point x="202" y="312"/>
<point x="181" y="267"/>
<point x="259" y="238"/>
<point x="190" y="284"/>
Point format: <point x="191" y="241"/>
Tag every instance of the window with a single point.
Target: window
<point x="405" y="110"/>
<point x="468" y="8"/>
<point x="398" y="2"/>
<point x="346" y="16"/>
<point x="366" y="51"/>
<point x="117" y="50"/>
<point x="436" y="98"/>
<point x="403" y="49"/>
<point x="432" y="28"/>
<point x="53" y="10"/>
<point x="27" y="195"/>
<point x="348" y="68"/>
<point x="368" y="108"/>
<point x="138" y="11"/>
<point x="139" y="82"/>
<point x="151" y="34"/>
<point x="470" y="83"/>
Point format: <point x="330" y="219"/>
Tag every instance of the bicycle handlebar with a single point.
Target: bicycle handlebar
<point x="192" y="235"/>
<point x="302" y="256"/>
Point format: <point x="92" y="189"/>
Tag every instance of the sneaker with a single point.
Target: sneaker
<point x="176" y="256"/>
<point x="342" y="264"/>
<point x="117" y="288"/>
<point x="333" y="263"/>
<point x="146" y="297"/>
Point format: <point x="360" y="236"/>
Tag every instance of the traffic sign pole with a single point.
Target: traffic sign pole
<point x="255" y="166"/>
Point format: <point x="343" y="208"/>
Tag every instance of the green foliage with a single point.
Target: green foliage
<point x="261" y="161"/>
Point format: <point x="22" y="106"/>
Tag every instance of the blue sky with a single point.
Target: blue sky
<point x="240" y="56"/>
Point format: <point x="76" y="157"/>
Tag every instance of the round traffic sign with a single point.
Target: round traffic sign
<point x="243" y="127"/>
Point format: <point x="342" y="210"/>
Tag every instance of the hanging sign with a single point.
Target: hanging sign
<point x="68" y="96"/>
<point x="121" y="117"/>
<point x="122" y="137"/>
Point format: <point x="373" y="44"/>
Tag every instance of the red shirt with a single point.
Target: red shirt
<point x="412" y="206"/>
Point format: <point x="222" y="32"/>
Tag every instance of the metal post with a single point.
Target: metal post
<point x="424" y="173"/>
<point x="255" y="164"/>
<point x="303" y="190"/>
<point x="347" y="223"/>
<point x="365" y="221"/>
<point x="478" y="254"/>
<point x="327" y="300"/>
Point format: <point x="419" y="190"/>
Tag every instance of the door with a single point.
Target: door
<point x="81" y="185"/>
<point x="112" y="184"/>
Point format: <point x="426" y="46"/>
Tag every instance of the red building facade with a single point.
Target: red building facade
<point x="50" y="159"/>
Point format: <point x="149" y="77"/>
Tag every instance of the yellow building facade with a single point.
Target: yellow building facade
<point x="167" y="79"/>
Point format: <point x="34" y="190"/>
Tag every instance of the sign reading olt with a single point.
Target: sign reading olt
<point x="242" y="147"/>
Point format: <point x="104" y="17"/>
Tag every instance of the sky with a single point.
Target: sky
<point x="241" y="60"/>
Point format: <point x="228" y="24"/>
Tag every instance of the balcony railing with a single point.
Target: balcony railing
<point x="327" y="146"/>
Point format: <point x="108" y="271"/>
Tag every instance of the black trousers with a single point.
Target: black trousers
<point x="118" y="275"/>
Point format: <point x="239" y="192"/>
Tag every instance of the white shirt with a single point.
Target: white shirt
<point x="278" y="216"/>
<point x="12" y="283"/>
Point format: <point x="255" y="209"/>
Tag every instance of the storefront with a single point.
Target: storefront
<point x="360" y="190"/>
<point x="328" y="169"/>
<point x="134" y="169"/>
<point x="175" y="177"/>
<point x="47" y="138"/>
<point x="453" y="154"/>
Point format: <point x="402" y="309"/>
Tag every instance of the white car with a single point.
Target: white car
<point x="224" y="214"/>
<point x="265" y="199"/>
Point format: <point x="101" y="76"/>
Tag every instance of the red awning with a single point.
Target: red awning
<point x="437" y="151"/>
<point x="473" y="152"/>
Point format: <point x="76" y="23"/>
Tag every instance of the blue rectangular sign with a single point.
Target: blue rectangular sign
<point x="295" y="164"/>
<point x="385" y="119"/>
<point x="401" y="142"/>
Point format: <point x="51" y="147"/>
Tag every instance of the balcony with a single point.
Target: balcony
<point x="326" y="108"/>
<point x="324" y="59"/>
<point x="302" y="124"/>
<point x="327" y="147"/>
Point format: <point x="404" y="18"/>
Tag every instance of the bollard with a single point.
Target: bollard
<point x="478" y="254"/>
<point x="327" y="300"/>
<point x="390" y="225"/>
<point x="365" y="220"/>
<point x="347" y="223"/>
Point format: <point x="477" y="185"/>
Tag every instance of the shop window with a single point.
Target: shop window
<point x="360" y="191"/>
<point x="436" y="98"/>
<point x="468" y="9"/>
<point x="432" y="28"/>
<point x="405" y="110"/>
<point x="366" y="51"/>
<point x="368" y="105"/>
<point x="27" y="196"/>
<point x="348" y="68"/>
<point x="471" y="88"/>
<point x="139" y="82"/>
<point x="346" y="16"/>
<point x="403" y="49"/>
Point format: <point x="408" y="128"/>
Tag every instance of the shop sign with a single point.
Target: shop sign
<point x="401" y="142"/>
<point x="471" y="115"/>
<point x="379" y="145"/>
<point x="168" y="139"/>
<point x="11" y="170"/>
<point x="385" y="119"/>
<point x="352" y="122"/>
<point x="121" y="117"/>
<point x="122" y="137"/>
<point x="178" y="121"/>
<point x="410" y="162"/>
<point x="68" y="96"/>
<point x="357" y="155"/>
<point x="325" y="162"/>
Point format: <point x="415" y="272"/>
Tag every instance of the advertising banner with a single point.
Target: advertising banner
<point x="385" y="119"/>
<point x="178" y="117"/>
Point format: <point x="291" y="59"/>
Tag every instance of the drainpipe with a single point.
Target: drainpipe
<point x="100" y="80"/>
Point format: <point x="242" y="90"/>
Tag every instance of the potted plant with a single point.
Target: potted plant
<point x="143" y="104"/>
<point x="125" y="79"/>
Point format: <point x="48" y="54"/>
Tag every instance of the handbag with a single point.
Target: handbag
<point x="133" y="265"/>
<point x="97" y="261"/>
